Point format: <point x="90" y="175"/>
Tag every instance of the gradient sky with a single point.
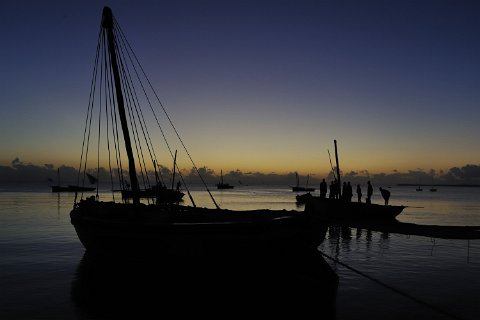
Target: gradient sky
<point x="258" y="85"/>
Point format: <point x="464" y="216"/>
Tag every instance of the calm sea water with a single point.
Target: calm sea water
<point x="45" y="273"/>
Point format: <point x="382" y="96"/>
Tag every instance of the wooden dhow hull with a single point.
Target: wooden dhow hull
<point x="224" y="186"/>
<point x="300" y="189"/>
<point x="137" y="228"/>
<point x="71" y="189"/>
<point x="165" y="195"/>
<point x="120" y="228"/>
<point x="338" y="209"/>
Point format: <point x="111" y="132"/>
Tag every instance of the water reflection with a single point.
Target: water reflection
<point x="298" y="281"/>
<point x="389" y="275"/>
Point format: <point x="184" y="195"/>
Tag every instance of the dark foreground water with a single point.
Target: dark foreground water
<point x="46" y="274"/>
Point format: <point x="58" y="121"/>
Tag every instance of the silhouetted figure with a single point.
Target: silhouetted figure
<point x="349" y="192"/>
<point x="359" y="193"/>
<point x="179" y="184"/>
<point x="323" y="189"/>
<point x="369" y="192"/>
<point x="336" y="189"/>
<point x="331" y="195"/>
<point x="385" y="194"/>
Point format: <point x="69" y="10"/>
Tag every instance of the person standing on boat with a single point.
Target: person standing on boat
<point x="344" y="193"/>
<point x="385" y="194"/>
<point x="369" y="192"/>
<point x="332" y="190"/>
<point x="359" y="193"/>
<point x="323" y="189"/>
<point x="336" y="189"/>
<point x="349" y="194"/>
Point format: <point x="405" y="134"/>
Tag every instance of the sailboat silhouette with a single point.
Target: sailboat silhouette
<point x="298" y="188"/>
<point x="223" y="185"/>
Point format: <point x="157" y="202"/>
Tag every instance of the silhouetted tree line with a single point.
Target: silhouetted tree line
<point x="20" y="172"/>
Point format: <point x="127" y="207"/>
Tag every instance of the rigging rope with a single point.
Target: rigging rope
<point x="407" y="295"/>
<point x="107" y="132"/>
<point x="107" y="99"/>
<point x="136" y="103"/>
<point x="99" y="123"/>
<point x="88" y="118"/>
<point x="113" y="117"/>
<point x="117" y="26"/>
<point x="135" y="134"/>
<point x="331" y="165"/>
<point x="116" y="136"/>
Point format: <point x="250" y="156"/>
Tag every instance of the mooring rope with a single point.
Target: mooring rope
<point x="389" y="287"/>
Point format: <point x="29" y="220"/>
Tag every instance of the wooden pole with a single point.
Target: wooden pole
<point x="107" y="24"/>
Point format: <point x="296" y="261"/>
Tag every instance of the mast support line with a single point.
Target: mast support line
<point x="107" y="24"/>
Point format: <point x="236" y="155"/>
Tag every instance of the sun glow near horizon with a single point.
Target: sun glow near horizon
<point x="262" y="161"/>
<point x="259" y="87"/>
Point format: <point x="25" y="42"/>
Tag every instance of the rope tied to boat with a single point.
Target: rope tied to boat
<point x="391" y="288"/>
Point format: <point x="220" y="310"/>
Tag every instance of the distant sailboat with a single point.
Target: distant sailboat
<point x="419" y="188"/>
<point x="297" y="188"/>
<point x="433" y="189"/>
<point x="72" y="188"/>
<point x="223" y="185"/>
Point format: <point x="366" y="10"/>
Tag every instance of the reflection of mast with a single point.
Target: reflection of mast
<point x="107" y="24"/>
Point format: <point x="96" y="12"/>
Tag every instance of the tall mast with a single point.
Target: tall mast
<point x="338" y="169"/>
<point x="107" y="24"/>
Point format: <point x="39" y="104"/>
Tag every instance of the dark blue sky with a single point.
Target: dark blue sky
<point x="396" y="82"/>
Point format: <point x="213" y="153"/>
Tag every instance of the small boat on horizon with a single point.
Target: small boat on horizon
<point x="432" y="188"/>
<point x="223" y="185"/>
<point x="298" y="188"/>
<point x="72" y="188"/>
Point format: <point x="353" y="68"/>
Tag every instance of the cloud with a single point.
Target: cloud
<point x="468" y="173"/>
<point x="20" y="172"/>
<point x="26" y="173"/>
